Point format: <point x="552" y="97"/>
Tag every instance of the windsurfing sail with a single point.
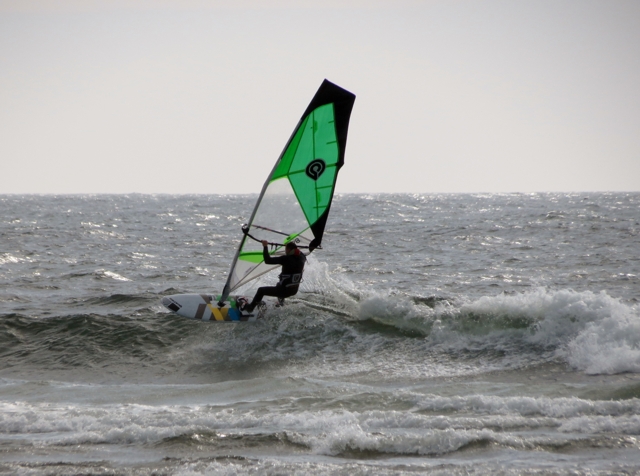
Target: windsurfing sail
<point x="295" y="200"/>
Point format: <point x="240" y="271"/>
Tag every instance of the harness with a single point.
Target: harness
<point x="287" y="280"/>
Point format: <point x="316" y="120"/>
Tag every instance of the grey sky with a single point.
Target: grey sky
<point x="200" y="96"/>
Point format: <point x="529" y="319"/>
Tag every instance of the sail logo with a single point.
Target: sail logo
<point x="315" y="169"/>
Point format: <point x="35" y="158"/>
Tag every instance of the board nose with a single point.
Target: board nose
<point x="170" y="304"/>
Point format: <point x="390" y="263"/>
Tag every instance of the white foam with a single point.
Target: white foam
<point x="435" y="425"/>
<point x="593" y="332"/>
<point x="324" y="432"/>
<point x="398" y="312"/>
<point x="559" y="408"/>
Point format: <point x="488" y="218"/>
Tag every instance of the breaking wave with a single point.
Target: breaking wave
<point x="592" y="332"/>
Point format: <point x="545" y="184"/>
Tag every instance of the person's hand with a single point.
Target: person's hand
<point x="265" y="243"/>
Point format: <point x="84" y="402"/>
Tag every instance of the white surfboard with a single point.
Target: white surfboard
<point x="204" y="307"/>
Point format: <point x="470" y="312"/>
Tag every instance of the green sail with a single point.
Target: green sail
<point x="314" y="140"/>
<point x="296" y="198"/>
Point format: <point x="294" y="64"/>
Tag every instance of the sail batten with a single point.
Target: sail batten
<point x="296" y="197"/>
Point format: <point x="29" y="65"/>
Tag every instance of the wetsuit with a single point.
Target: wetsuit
<point x="290" y="278"/>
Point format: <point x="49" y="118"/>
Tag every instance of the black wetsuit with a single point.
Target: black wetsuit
<point x="290" y="278"/>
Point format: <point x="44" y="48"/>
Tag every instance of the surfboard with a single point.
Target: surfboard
<point x="293" y="205"/>
<point x="204" y="307"/>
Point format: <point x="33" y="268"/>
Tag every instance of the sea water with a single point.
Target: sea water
<point x="433" y="334"/>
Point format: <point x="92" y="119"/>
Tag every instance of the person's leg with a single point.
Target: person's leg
<point x="280" y="292"/>
<point x="262" y="292"/>
<point x="287" y="292"/>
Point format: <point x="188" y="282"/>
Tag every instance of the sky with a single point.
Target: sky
<point x="195" y="96"/>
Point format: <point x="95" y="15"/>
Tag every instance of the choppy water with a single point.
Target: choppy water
<point x="437" y="334"/>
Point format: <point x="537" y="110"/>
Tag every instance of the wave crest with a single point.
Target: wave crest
<point x="592" y="332"/>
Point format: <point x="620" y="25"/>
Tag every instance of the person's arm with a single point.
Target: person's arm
<point x="268" y="259"/>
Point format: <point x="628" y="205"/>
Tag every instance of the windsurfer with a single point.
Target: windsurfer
<point x="292" y="264"/>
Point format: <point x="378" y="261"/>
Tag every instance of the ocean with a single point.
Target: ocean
<point x="434" y="334"/>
